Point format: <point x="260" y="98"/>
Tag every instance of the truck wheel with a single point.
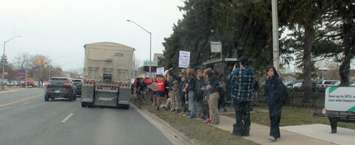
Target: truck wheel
<point x="84" y="104"/>
<point x="126" y="106"/>
<point x="333" y="124"/>
<point x="90" y="105"/>
<point x="72" y="97"/>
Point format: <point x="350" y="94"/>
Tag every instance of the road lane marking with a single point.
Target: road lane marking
<point x="67" y="118"/>
<point x="18" y="101"/>
<point x="11" y="90"/>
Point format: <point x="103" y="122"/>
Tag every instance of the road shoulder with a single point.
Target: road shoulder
<point x="174" y="136"/>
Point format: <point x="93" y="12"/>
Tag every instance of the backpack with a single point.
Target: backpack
<point x="220" y="90"/>
<point x="283" y="92"/>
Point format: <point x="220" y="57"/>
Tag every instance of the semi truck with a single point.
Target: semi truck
<point x="339" y="105"/>
<point x="107" y="71"/>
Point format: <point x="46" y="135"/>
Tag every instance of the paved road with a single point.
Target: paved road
<point x="25" y="119"/>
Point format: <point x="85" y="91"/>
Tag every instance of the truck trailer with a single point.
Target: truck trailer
<point x="108" y="68"/>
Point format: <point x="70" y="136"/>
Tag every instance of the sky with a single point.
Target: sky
<point x="60" y="28"/>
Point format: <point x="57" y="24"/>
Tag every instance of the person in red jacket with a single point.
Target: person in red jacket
<point x="160" y="92"/>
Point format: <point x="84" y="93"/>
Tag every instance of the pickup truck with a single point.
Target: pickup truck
<point x="339" y="105"/>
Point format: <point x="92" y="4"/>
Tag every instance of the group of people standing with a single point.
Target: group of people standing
<point x="199" y="93"/>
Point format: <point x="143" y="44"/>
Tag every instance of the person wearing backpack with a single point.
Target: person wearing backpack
<point x="276" y="93"/>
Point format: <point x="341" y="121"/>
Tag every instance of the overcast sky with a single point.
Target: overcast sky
<point x="60" y="28"/>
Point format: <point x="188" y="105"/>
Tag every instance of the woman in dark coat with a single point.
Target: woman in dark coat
<point x="273" y="97"/>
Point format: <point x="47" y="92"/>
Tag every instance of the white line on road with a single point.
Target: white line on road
<point x="18" y="101"/>
<point x="11" y="90"/>
<point x="67" y="118"/>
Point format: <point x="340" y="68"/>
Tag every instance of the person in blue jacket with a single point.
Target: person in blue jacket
<point x="242" y="82"/>
<point x="273" y="91"/>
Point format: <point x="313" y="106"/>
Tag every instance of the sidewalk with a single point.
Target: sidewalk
<point x="259" y="134"/>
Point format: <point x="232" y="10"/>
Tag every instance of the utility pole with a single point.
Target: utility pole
<point x="4" y="60"/>
<point x="275" y="35"/>
<point x="150" y="44"/>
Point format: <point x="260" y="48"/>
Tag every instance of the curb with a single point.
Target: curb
<point x="174" y="136"/>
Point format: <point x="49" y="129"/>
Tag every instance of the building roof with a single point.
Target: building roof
<point x="108" y="44"/>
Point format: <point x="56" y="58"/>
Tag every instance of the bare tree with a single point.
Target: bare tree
<point x="22" y="61"/>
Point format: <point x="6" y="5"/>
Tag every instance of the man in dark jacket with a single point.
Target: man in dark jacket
<point x="242" y="80"/>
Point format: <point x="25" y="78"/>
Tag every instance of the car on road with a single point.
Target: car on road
<point x="297" y="84"/>
<point x="60" y="87"/>
<point x="328" y="83"/>
<point x="78" y="83"/>
<point x="12" y="83"/>
<point x="28" y="83"/>
<point x="352" y="84"/>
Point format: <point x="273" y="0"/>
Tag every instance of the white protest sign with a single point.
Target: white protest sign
<point x="184" y="59"/>
<point x="160" y="71"/>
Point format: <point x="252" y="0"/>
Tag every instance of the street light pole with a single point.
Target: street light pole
<point x="275" y="35"/>
<point x="3" y="60"/>
<point x="150" y="43"/>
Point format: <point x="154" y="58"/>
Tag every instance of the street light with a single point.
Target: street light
<point x="150" y="43"/>
<point x="3" y="60"/>
<point x="275" y="35"/>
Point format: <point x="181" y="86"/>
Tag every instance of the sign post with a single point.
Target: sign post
<point x="216" y="47"/>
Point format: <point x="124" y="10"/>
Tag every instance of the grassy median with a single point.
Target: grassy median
<point x="292" y="116"/>
<point x="197" y="130"/>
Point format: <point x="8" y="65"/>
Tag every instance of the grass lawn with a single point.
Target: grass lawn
<point x="292" y="116"/>
<point x="196" y="129"/>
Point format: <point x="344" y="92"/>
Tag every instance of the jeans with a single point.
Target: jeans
<point x="275" y="117"/>
<point x="192" y="104"/>
<point x="242" y="117"/>
<point x="213" y="107"/>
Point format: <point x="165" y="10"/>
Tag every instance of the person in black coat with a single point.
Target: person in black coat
<point x="274" y="100"/>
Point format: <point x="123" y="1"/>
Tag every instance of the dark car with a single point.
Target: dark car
<point x="78" y="83"/>
<point x="60" y="87"/>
